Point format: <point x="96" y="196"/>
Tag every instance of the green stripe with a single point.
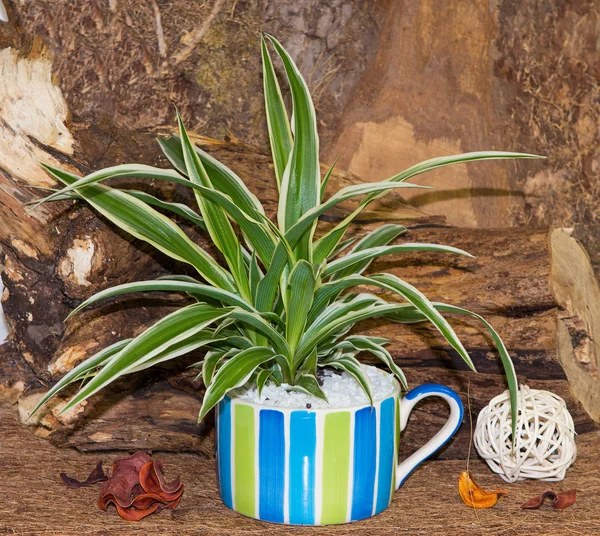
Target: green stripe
<point x="244" y="450"/>
<point x="336" y="467"/>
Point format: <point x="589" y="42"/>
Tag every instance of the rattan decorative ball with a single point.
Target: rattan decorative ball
<point x="545" y="446"/>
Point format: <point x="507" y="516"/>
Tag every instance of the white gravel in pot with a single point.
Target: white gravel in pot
<point x="341" y="389"/>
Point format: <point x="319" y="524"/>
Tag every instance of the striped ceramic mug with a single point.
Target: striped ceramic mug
<point x="320" y="466"/>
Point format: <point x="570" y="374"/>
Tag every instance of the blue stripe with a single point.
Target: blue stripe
<point x="365" y="461"/>
<point x="271" y="466"/>
<point x="386" y="454"/>
<point x="224" y="451"/>
<point x="303" y="446"/>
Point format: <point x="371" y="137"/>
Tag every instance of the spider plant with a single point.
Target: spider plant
<point x="284" y="304"/>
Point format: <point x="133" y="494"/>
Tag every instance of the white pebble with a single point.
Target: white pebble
<point x="341" y="390"/>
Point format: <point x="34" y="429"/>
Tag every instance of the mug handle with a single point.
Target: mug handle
<point x="451" y="426"/>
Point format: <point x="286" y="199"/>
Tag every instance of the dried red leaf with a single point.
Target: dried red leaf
<point x="559" y="501"/>
<point x="120" y="488"/>
<point x="131" y="514"/>
<point x="145" y="500"/>
<point x="565" y="499"/>
<point x="537" y="502"/>
<point x="136" y="487"/>
<point x="153" y="481"/>
<point x="97" y="475"/>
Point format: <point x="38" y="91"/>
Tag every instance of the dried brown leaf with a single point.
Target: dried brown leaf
<point x="565" y="499"/>
<point x="97" y="475"/>
<point x="136" y="487"/>
<point x="536" y="502"/>
<point x="559" y="501"/>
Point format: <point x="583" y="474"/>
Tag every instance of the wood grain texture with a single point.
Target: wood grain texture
<point x="498" y="75"/>
<point x="509" y="281"/>
<point x="62" y="253"/>
<point x="432" y="91"/>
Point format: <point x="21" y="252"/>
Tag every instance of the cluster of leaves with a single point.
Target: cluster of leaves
<point x="136" y="486"/>
<point x="283" y="306"/>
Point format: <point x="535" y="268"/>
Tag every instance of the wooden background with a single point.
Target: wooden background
<point x="90" y="83"/>
<point x="394" y="82"/>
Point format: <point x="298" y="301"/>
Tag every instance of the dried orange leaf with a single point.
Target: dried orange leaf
<point x="474" y="495"/>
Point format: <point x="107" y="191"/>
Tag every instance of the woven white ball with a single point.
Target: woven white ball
<point x="545" y="446"/>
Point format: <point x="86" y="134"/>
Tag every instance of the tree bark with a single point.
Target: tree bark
<point x="62" y="252"/>
<point x="536" y="288"/>
<point x="52" y="265"/>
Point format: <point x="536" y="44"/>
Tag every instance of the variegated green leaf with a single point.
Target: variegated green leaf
<point x="359" y="260"/>
<point x="277" y="376"/>
<point x="215" y="219"/>
<point x="166" y="285"/>
<point x="250" y="222"/>
<point x="381" y="236"/>
<point x="301" y="287"/>
<point x="176" y="208"/>
<point x="122" y="171"/>
<point x="511" y="377"/>
<point x="327" y="243"/>
<point x="341" y="308"/>
<point x="262" y="378"/>
<point x="211" y="360"/>
<point x="420" y="301"/>
<point x="270" y="283"/>
<point x="442" y="161"/>
<point x="170" y="330"/>
<point x="344" y="244"/>
<point x="300" y="183"/>
<point x="256" y="321"/>
<point x="353" y="367"/>
<point x="255" y="275"/>
<point x="233" y="374"/>
<point x="145" y="223"/>
<point x="82" y="370"/>
<point x="331" y="290"/>
<point x="309" y="365"/>
<point x="196" y="341"/>
<point x="318" y="331"/>
<point x="309" y="385"/>
<point x="280" y="134"/>
<point x="326" y="178"/>
<point x="178" y="277"/>
<point x="366" y="344"/>
<point x="221" y="177"/>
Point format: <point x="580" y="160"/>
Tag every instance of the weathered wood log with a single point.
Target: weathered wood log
<point x="448" y="79"/>
<point x="62" y="252"/>
<point x="536" y="288"/>
<point x="511" y="281"/>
